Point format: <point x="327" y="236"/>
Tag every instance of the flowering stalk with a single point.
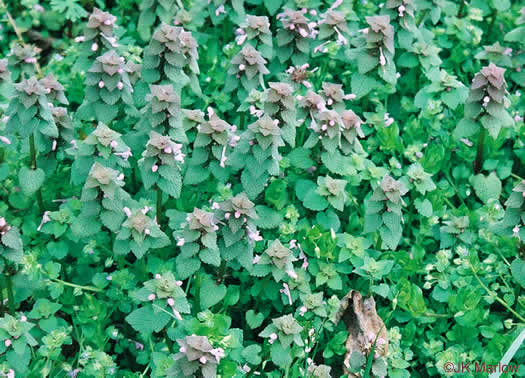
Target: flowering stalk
<point x="159" y="205"/>
<point x="32" y="152"/>
<point x="10" y="296"/>
<point x="478" y="163"/>
<point x="12" y="22"/>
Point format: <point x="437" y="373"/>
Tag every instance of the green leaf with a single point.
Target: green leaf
<point x="147" y="320"/>
<point x="211" y="293"/>
<point x="253" y="319"/>
<point x="268" y="218"/>
<point x="210" y="256"/>
<point x="280" y="356"/>
<point x="252" y="354"/>
<point x="314" y="201"/>
<point x="272" y="6"/>
<point x="517" y="268"/>
<point x="423" y="207"/>
<point x="487" y="187"/>
<point x="362" y="85"/>
<point x="30" y="180"/>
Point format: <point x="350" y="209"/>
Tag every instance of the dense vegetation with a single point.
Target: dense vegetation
<point x="275" y="188"/>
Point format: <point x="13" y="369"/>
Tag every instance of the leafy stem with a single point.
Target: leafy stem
<point x="478" y="163"/>
<point x="65" y="283"/>
<point x="10" y="296"/>
<point x="159" y="205"/>
<point x="12" y="22"/>
<point x="495" y="296"/>
<point x="32" y="152"/>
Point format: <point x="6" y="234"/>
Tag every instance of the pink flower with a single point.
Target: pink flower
<point x="127" y="211"/>
<point x="180" y="242"/>
<point x="45" y="219"/>
<point x="203" y="359"/>
<point x="5" y="140"/>
<point x="466" y="142"/>
<point x="139" y="346"/>
<point x="291" y="274"/>
<point x="256" y="259"/>
<point x="23" y="318"/>
<point x="154" y="168"/>
<point x="218" y="11"/>
<point x="7" y="343"/>
<point x="94" y="47"/>
<point x="171" y="302"/>
<point x="302" y="310"/>
<point x="254" y="235"/>
<point x="273" y="337"/>
<point x="178" y="283"/>
<point x="151" y="297"/>
<point x="177" y="314"/>
<point x="227" y="216"/>
<point x="101" y="84"/>
<point x="120" y="85"/>
<point x="286" y="291"/>
<point x="182" y="349"/>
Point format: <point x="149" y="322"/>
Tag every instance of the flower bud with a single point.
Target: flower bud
<point x="94" y="47"/>
<point x="151" y="297"/>
<point x="101" y="84"/>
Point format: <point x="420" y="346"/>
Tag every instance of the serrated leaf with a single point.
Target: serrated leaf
<point x="147" y="320"/>
<point x="211" y="293"/>
<point x="268" y="218"/>
<point x="517" y="269"/>
<point x="30" y="180"/>
<point x="487" y="187"/>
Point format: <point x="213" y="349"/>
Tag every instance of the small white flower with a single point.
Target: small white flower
<point x="45" y="219"/>
<point x="5" y="140"/>
<point x="203" y="359"/>
<point x="94" y="47"/>
<point x="154" y="168"/>
<point x="120" y="85"/>
<point x="101" y="84"/>
<point x="302" y="310"/>
<point x="180" y="242"/>
<point x="126" y="211"/>
<point x="291" y="274"/>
